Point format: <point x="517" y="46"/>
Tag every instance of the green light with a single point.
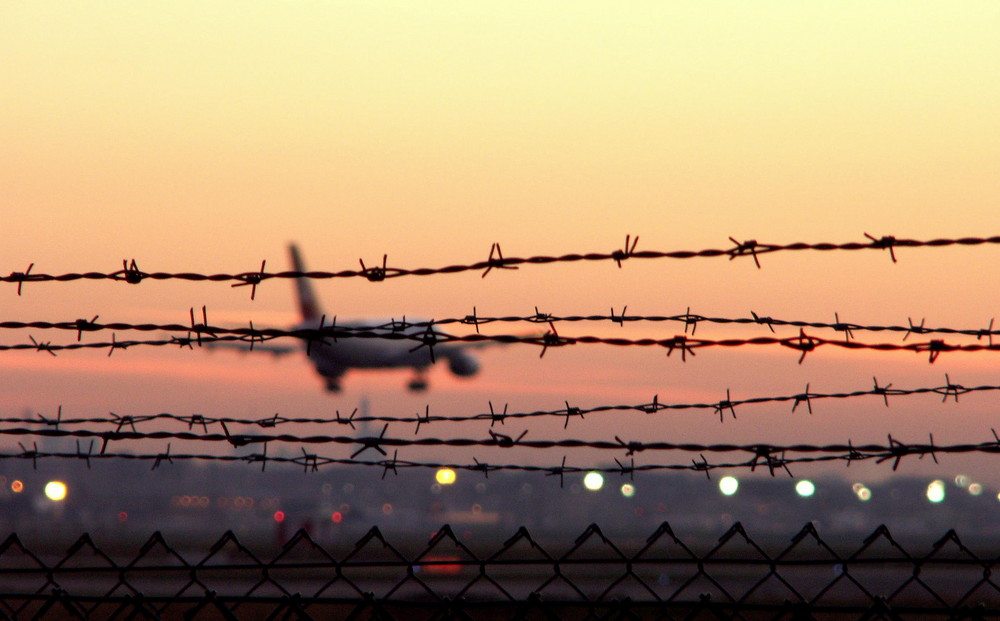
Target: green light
<point x="935" y="491"/>
<point x="805" y="488"/>
<point x="728" y="485"/>
<point x="593" y="481"/>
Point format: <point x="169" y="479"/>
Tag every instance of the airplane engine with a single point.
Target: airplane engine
<point x="463" y="365"/>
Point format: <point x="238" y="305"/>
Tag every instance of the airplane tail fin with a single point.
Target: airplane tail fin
<point x="308" y="305"/>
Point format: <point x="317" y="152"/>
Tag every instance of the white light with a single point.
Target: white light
<point x="55" y="490"/>
<point x="935" y="491"/>
<point x="728" y="485"/>
<point x="975" y="489"/>
<point x="805" y="488"/>
<point x="628" y="490"/>
<point x="593" y="481"/>
<point x="962" y="480"/>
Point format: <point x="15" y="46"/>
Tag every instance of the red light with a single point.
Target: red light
<point x="279" y="516"/>
<point x="123" y="516"/>
<point x="440" y="565"/>
<point x="337" y="517"/>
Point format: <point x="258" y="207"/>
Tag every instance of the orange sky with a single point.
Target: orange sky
<point x="205" y="136"/>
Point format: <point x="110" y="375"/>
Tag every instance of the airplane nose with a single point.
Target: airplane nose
<point x="463" y="365"/>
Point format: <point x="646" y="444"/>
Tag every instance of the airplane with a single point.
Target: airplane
<point x="332" y="360"/>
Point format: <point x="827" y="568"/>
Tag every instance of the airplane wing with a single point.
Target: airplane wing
<point x="268" y="348"/>
<point x="485" y="344"/>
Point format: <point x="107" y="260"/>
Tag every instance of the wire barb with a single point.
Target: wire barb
<point x="20" y="278"/>
<point x="497" y="262"/>
<point x="626" y="252"/>
<point x="727" y="404"/>
<point x="744" y="248"/>
<point x="375" y="274"/>
<point x="805" y="397"/>
<point x="497" y="417"/>
<point x="372" y="443"/>
<point x="884" y="242"/>
<point x="253" y="279"/>
<point x="130" y="273"/>
<point x="679" y="341"/>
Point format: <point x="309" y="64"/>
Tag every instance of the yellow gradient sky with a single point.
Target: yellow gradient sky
<point x="204" y="136"/>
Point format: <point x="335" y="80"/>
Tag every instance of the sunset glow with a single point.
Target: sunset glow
<point x="206" y="136"/>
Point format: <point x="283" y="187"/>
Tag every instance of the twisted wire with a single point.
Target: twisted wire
<point x="688" y="319"/>
<point x="132" y="274"/>
<point x="722" y="407"/>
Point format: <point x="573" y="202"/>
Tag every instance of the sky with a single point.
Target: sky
<point x="205" y="137"/>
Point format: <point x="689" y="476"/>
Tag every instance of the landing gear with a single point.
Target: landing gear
<point x="418" y="383"/>
<point x="332" y="385"/>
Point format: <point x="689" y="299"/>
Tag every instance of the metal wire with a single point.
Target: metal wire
<point x="79" y="326"/>
<point x="132" y="274"/>
<point x="593" y="577"/>
<point x="723" y="407"/>
<point x="684" y="345"/>
<point x="774" y="457"/>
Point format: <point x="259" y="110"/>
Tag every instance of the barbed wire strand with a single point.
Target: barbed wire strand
<point x="689" y="320"/>
<point x="132" y="274"/>
<point x="684" y="345"/>
<point x="770" y="456"/>
<point x="721" y="408"/>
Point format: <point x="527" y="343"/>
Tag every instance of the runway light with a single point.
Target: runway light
<point x="16" y="486"/>
<point x="593" y="481"/>
<point x="728" y="485"/>
<point x="935" y="491"/>
<point x="805" y="488"/>
<point x="628" y="490"/>
<point x="445" y="476"/>
<point x="975" y="489"/>
<point x="55" y="490"/>
<point x="279" y="516"/>
<point x="337" y="517"/>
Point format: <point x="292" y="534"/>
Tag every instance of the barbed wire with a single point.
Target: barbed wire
<point x="722" y="408"/>
<point x="522" y="577"/>
<point x="132" y="274"/>
<point x="430" y="338"/>
<point x="770" y="456"/>
<point x="689" y="320"/>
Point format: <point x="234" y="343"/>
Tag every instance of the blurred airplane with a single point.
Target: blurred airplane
<point x="332" y="359"/>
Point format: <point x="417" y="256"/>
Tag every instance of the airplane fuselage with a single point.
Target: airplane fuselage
<point x="332" y="358"/>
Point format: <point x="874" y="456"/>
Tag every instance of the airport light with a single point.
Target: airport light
<point x="805" y="488"/>
<point x="729" y="485"/>
<point x="445" y="476"/>
<point x="862" y="492"/>
<point x="55" y="491"/>
<point x="593" y="481"/>
<point x="935" y="491"/>
<point x="975" y="489"/>
<point x="628" y="490"/>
